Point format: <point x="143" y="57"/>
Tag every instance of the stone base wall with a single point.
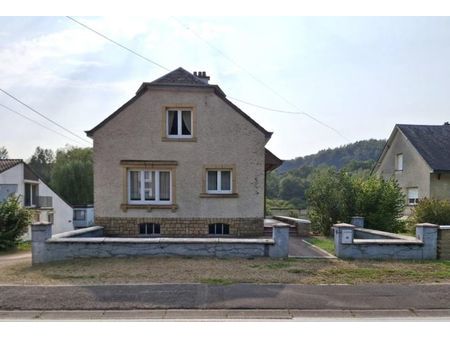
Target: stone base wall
<point x="180" y="227"/>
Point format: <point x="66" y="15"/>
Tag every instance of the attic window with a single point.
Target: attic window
<point x="179" y="123"/>
<point x="399" y="162"/>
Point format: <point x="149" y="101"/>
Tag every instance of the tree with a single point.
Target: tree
<point x="381" y="203"/>
<point x="72" y="175"/>
<point x="3" y="153"/>
<point x="330" y="199"/>
<point x="42" y="162"/>
<point x="14" y="220"/>
<point x="272" y="185"/>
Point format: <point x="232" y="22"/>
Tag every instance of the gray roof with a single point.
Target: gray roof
<point x="8" y="164"/>
<point x="180" y="76"/>
<point x="432" y="143"/>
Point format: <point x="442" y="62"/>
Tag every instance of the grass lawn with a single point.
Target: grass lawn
<point x="322" y="242"/>
<point x="223" y="271"/>
<point x="21" y="247"/>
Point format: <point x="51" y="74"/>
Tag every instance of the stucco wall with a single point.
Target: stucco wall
<point x="415" y="173"/>
<point x="440" y="186"/>
<point x="14" y="175"/>
<point x="224" y="137"/>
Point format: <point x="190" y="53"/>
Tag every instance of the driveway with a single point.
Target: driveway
<point x="8" y="259"/>
<point x="298" y="247"/>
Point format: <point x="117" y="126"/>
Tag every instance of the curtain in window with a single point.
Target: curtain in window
<point x="164" y="186"/>
<point x="186" y="122"/>
<point x="225" y="180"/>
<point x="212" y="180"/>
<point x="173" y="122"/>
<point x="149" y="185"/>
<point x="135" y="185"/>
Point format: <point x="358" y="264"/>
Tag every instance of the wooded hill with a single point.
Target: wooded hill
<point x="359" y="152"/>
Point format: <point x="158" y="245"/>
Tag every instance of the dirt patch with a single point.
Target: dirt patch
<point x="222" y="271"/>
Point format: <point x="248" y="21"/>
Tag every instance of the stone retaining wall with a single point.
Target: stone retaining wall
<point x="180" y="227"/>
<point x="444" y="242"/>
<point x="373" y="244"/>
<point x="90" y="242"/>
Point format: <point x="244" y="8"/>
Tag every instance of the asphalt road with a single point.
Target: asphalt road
<point x="238" y="296"/>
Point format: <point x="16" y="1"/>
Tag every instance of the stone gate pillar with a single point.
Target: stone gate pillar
<point x="40" y="232"/>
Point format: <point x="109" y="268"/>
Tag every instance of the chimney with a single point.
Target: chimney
<point x="202" y="76"/>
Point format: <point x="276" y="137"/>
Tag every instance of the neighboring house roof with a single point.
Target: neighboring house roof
<point x="180" y="78"/>
<point x="271" y="161"/>
<point x="8" y="164"/>
<point x="432" y="143"/>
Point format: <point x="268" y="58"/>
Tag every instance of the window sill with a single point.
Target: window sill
<point x="148" y="207"/>
<point x="205" y="195"/>
<point x="179" y="139"/>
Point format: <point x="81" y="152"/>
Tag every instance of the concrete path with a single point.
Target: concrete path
<point x="231" y="297"/>
<point x="298" y="247"/>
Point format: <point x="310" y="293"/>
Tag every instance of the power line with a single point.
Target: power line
<point x="225" y="56"/>
<point x="291" y="112"/>
<point x="260" y="82"/>
<point x="117" y="43"/>
<point x="42" y="115"/>
<point x="38" y="123"/>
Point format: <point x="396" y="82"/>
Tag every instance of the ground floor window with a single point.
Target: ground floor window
<point x="218" y="181"/>
<point x="149" y="187"/>
<point x="79" y="215"/>
<point x="219" y="229"/>
<point x="149" y="229"/>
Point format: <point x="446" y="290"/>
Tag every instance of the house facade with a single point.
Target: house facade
<point x="179" y="159"/>
<point x="418" y="157"/>
<point x="17" y="179"/>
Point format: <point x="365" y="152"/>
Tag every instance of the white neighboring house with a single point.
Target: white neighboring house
<point x="17" y="178"/>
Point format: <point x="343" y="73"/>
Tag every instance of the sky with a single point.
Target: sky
<point x="358" y="75"/>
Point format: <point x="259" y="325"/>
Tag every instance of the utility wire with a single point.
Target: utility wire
<point x="117" y="43"/>
<point x="42" y="115"/>
<point x="38" y="123"/>
<point x="225" y="56"/>
<point x="290" y="112"/>
<point x="259" y="81"/>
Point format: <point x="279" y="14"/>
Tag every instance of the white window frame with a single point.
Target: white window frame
<point x="180" y="127"/>
<point x="142" y="187"/>
<point x="33" y="187"/>
<point x="219" y="182"/>
<point x="416" y="199"/>
<point x="399" y="162"/>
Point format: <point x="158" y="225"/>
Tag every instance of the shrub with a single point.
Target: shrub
<point x="14" y="220"/>
<point x="431" y="211"/>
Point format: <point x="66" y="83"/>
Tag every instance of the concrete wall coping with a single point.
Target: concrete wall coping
<point x="292" y="219"/>
<point x="427" y="225"/>
<point x="444" y="227"/>
<point x="387" y="241"/>
<point x="387" y="234"/>
<point x="78" y="232"/>
<point x="161" y="240"/>
<point x="344" y="225"/>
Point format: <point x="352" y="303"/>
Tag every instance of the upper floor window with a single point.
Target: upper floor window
<point x="399" y="162"/>
<point x="179" y="123"/>
<point x="413" y="196"/>
<point x="219" y="181"/>
<point x="149" y="187"/>
<point x="31" y="195"/>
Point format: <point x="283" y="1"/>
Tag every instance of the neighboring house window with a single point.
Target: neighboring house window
<point x="399" y="162"/>
<point x="31" y="195"/>
<point x="219" y="229"/>
<point x="149" y="229"/>
<point x="50" y="217"/>
<point x="413" y="196"/>
<point x="219" y="181"/>
<point x="179" y="123"/>
<point x="79" y="215"/>
<point x="149" y="187"/>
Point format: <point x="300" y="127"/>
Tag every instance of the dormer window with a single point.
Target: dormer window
<point x="179" y="123"/>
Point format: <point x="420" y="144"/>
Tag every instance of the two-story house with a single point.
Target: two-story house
<point x="418" y="156"/>
<point x="17" y="179"/>
<point x="180" y="159"/>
